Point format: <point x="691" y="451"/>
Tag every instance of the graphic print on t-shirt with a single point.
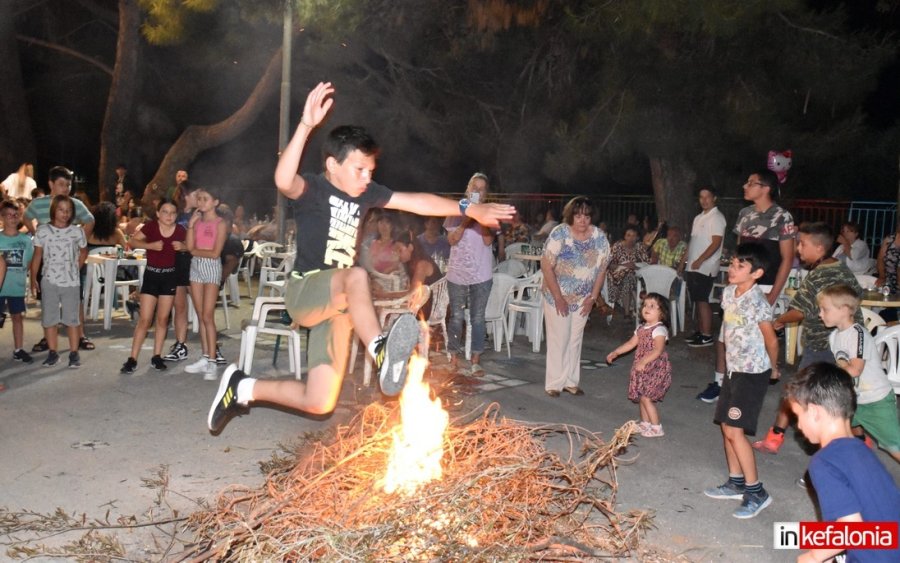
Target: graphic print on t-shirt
<point x="340" y="249"/>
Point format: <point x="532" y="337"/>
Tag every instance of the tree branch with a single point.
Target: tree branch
<point x="66" y="50"/>
<point x="809" y="29"/>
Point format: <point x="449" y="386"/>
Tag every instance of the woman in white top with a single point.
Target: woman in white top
<point x="852" y="250"/>
<point x="20" y="183"/>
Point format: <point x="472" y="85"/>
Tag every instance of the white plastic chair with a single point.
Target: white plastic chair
<point x="385" y="309"/>
<point x="494" y="314"/>
<point x="888" y="345"/>
<point x="511" y="267"/>
<point x="275" y="278"/>
<point x="527" y="299"/>
<point x="440" y="300"/>
<point x="659" y="279"/>
<point x="122" y="287"/>
<point x="258" y="324"/>
<point x="390" y="282"/>
<point x="262" y="252"/>
<point x="871" y="319"/>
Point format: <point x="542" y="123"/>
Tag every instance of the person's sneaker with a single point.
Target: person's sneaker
<point x="210" y="374"/>
<point x="52" y="359"/>
<point x="701" y="341"/>
<point x="21" y="355"/>
<point x="199" y="366"/>
<point x="693" y="337"/>
<point x="158" y="363"/>
<point x="710" y="394"/>
<point x="177" y="352"/>
<point x="392" y="354"/>
<point x="220" y="359"/>
<point x="129" y="366"/>
<point x="727" y="491"/>
<point x="771" y="443"/>
<point x="752" y="504"/>
<point x="74" y="360"/>
<point x="654" y="431"/>
<point x="643" y="426"/>
<point x="225" y="405"/>
<point x="41" y="346"/>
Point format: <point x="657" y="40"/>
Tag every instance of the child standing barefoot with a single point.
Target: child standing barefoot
<point x="63" y="248"/>
<point x="651" y="373"/>
<point x="205" y="239"/>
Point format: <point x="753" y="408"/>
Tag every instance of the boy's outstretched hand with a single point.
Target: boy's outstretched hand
<point x="490" y="214"/>
<point x="318" y="102"/>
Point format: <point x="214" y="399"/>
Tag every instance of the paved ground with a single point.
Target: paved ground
<point x="88" y="440"/>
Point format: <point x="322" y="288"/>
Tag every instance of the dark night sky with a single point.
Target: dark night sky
<point x="67" y="100"/>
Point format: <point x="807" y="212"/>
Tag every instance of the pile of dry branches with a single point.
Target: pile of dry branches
<point x="503" y="496"/>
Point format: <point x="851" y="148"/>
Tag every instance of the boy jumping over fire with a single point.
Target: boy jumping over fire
<point x="326" y="292"/>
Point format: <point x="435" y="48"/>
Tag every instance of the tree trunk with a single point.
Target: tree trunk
<point x="115" y="138"/>
<point x="198" y="138"/>
<point x="16" y="136"/>
<point x="674" y="181"/>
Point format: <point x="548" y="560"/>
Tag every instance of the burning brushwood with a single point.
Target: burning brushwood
<point x="497" y="494"/>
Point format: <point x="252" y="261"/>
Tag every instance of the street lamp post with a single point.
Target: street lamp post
<point x="284" y="118"/>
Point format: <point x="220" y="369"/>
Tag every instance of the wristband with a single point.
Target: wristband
<point x="463" y="205"/>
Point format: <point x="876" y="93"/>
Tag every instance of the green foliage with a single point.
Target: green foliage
<point x="167" y="19"/>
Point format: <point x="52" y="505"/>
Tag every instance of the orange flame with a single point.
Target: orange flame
<point x="418" y="447"/>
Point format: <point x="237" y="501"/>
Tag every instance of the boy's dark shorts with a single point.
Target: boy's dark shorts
<point x="15" y="305"/>
<point x="741" y="399"/>
<point x="699" y="285"/>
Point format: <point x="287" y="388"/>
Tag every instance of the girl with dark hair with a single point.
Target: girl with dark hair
<point x="106" y="228"/>
<point x="420" y="269"/>
<point x="651" y="373"/>
<point x="162" y="238"/>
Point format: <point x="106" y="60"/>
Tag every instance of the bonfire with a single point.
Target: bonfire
<point x="403" y="482"/>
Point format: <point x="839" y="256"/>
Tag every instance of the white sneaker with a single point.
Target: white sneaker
<point x="197" y="367"/>
<point x="210" y="374"/>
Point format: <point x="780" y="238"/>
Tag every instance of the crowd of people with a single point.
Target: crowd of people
<point x="841" y="393"/>
<point x="190" y="241"/>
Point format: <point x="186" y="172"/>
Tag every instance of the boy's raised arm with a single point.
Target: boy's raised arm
<point x="488" y="214"/>
<point x="287" y="178"/>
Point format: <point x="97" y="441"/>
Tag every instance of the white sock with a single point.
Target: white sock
<point x="371" y="346"/>
<point x="245" y="390"/>
<point x="719" y="377"/>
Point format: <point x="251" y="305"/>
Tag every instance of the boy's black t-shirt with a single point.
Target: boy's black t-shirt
<point x="328" y="221"/>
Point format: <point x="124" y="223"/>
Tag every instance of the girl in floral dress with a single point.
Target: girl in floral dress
<point x="651" y="373"/>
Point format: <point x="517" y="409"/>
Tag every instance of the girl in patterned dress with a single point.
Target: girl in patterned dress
<point x="651" y="373"/>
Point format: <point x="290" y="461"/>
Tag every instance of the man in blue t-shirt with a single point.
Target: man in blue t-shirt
<point x="326" y="292"/>
<point x="852" y="485"/>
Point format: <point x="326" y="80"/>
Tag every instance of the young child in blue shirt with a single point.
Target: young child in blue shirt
<point x="16" y="249"/>
<point x="852" y="485"/>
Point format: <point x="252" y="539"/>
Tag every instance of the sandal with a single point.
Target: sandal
<point x="85" y="344"/>
<point x="41" y="346"/>
<point x="577" y="391"/>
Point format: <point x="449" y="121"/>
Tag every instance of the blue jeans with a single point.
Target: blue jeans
<point x="477" y="297"/>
